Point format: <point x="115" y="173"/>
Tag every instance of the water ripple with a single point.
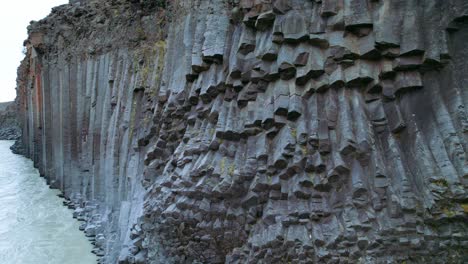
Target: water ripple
<point x="34" y="226"/>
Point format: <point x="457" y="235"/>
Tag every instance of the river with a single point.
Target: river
<point x="35" y="228"/>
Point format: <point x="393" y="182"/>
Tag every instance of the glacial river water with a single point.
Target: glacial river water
<point x="35" y="228"/>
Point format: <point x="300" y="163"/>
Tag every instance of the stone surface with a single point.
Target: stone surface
<point x="9" y="127"/>
<point x="273" y="131"/>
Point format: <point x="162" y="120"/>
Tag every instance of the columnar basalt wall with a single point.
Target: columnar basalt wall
<point x="273" y="131"/>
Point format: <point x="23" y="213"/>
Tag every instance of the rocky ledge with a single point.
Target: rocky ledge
<point x="255" y="131"/>
<point x="9" y="127"/>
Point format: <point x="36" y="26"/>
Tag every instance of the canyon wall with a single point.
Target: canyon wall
<point x="255" y="131"/>
<point x="9" y="128"/>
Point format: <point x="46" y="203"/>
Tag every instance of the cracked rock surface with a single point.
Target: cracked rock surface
<point x="255" y="131"/>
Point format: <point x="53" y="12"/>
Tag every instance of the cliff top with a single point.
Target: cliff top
<point x="94" y="27"/>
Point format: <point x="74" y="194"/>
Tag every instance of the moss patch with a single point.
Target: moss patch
<point x="465" y="207"/>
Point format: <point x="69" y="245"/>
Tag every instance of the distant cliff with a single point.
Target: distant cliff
<point x="272" y="131"/>
<point x="9" y="127"/>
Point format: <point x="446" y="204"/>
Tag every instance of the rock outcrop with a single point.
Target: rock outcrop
<point x="255" y="131"/>
<point x="9" y="127"/>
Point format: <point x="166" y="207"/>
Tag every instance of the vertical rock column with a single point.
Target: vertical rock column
<point x="254" y="131"/>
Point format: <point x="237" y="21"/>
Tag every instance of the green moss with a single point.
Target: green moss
<point x="141" y="33"/>
<point x="449" y="213"/>
<point x="160" y="44"/>
<point x="132" y="119"/>
<point x="135" y="59"/>
<point x="222" y="165"/>
<point x="441" y="183"/>
<point x="145" y="73"/>
<point x="159" y="50"/>
<point x="304" y="150"/>
<point x="293" y="132"/>
<point x="231" y="169"/>
<point x="465" y="207"/>
<point x="152" y="92"/>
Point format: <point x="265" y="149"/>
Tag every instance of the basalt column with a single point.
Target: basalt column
<point x="273" y="131"/>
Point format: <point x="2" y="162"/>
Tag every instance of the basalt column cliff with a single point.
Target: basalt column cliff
<point x="255" y="131"/>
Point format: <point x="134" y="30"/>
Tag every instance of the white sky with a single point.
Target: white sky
<point x="14" y="18"/>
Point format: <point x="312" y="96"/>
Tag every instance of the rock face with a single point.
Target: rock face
<point x="272" y="131"/>
<point x="9" y="128"/>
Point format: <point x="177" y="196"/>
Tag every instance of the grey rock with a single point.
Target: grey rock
<point x="283" y="131"/>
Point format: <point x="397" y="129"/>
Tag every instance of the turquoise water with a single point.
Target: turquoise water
<point x="35" y="228"/>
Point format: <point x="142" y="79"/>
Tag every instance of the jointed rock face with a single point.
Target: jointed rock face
<point x="255" y="131"/>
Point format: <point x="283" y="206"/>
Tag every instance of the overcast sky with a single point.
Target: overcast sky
<point x="14" y="18"/>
